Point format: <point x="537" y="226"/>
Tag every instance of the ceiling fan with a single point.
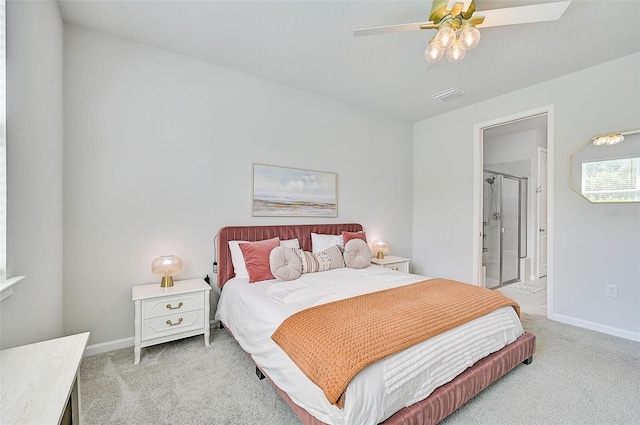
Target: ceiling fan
<point x="457" y="22"/>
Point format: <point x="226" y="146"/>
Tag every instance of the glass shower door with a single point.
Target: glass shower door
<point x="504" y="241"/>
<point x="492" y="228"/>
<point x="510" y="222"/>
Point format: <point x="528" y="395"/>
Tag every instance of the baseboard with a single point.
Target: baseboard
<point x="108" y="346"/>
<point x="103" y="347"/>
<point x="622" y="333"/>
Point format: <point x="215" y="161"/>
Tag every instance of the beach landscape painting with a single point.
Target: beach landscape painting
<point x="292" y="192"/>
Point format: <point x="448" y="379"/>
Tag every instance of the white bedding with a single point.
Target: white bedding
<point x="252" y="312"/>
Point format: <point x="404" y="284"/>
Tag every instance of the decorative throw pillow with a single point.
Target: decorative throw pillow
<point x="347" y="236"/>
<point x="256" y="258"/>
<point x="330" y="258"/>
<point x="291" y="243"/>
<point x="357" y="254"/>
<point x="237" y="259"/>
<point x="285" y="263"/>
<point x="321" y="242"/>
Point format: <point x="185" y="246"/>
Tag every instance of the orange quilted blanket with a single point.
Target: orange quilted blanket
<point x="332" y="342"/>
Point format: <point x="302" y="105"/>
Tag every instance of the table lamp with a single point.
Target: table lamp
<point x="166" y="266"/>
<point x="380" y="247"/>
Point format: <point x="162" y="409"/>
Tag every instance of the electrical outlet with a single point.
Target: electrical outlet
<point x="612" y="291"/>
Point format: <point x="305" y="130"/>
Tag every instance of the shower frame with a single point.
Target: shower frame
<point x="522" y="224"/>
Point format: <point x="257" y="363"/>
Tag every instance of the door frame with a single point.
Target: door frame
<point x="478" y="130"/>
<point x="542" y="152"/>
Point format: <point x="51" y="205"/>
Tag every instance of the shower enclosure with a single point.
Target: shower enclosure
<point x="504" y="223"/>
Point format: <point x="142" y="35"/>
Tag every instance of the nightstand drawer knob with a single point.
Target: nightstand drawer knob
<point x="170" y="323"/>
<point x="170" y="307"/>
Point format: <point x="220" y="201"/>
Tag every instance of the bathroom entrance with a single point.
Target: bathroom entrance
<point x="512" y="200"/>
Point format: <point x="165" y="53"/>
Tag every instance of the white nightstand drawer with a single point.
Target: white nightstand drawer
<point x="172" y="324"/>
<point x="399" y="267"/>
<point x="398" y="264"/>
<point x="160" y="307"/>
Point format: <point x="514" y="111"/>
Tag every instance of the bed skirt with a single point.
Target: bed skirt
<point x="449" y="397"/>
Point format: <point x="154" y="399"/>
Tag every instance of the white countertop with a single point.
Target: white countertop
<point x="36" y="379"/>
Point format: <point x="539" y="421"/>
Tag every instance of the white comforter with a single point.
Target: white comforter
<point x="253" y="312"/>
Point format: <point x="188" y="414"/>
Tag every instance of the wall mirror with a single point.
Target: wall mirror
<point x="606" y="168"/>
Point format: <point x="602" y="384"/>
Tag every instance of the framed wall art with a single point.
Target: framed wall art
<point x="293" y="192"/>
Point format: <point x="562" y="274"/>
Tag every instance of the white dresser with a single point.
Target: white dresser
<point x="398" y="264"/>
<point x="167" y="314"/>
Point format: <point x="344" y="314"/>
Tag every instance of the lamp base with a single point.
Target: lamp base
<point x="380" y="255"/>
<point x="166" y="282"/>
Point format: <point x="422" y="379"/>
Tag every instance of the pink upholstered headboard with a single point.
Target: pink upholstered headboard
<point x="258" y="233"/>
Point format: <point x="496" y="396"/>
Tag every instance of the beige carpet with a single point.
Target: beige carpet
<point x="577" y="377"/>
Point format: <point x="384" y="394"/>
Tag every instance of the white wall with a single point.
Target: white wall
<point x="34" y="173"/>
<point x="158" y="156"/>
<point x="594" y="244"/>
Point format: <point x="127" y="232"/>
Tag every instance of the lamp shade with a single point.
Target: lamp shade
<point x="433" y="52"/>
<point x="445" y="37"/>
<point x="469" y="37"/>
<point x="166" y="266"/>
<point x="380" y="247"/>
<point x="456" y="52"/>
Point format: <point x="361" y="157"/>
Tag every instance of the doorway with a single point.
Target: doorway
<point x="513" y="135"/>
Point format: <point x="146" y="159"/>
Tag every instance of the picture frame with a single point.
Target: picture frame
<point x="293" y="192"/>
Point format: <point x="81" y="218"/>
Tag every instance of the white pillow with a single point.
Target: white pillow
<point x="321" y="242"/>
<point x="291" y="243"/>
<point x="238" y="259"/>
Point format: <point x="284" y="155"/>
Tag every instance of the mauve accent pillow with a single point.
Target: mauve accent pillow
<point x="256" y="258"/>
<point x="284" y="263"/>
<point x="357" y="254"/>
<point x="347" y="236"/>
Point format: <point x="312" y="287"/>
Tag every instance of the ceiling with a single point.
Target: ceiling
<point x="310" y="45"/>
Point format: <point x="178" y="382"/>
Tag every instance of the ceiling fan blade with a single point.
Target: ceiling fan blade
<point x="391" y="29"/>
<point x="465" y="4"/>
<point x="522" y="14"/>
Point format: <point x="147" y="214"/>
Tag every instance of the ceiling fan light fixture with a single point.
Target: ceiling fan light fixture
<point x="456" y="52"/>
<point x="456" y="18"/>
<point x="469" y="36"/>
<point x="433" y="52"/>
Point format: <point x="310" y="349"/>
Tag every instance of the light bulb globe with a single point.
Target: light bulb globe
<point x="456" y="53"/>
<point x="445" y="37"/>
<point x="433" y="52"/>
<point x="469" y="37"/>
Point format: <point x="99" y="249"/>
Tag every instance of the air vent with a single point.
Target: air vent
<point x="447" y="94"/>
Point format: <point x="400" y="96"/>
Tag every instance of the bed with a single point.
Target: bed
<point x="422" y="395"/>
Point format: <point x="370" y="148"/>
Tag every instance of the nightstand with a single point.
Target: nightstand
<point x="394" y="263"/>
<point x="167" y="314"/>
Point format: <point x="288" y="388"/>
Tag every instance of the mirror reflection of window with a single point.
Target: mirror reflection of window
<point x="611" y="180"/>
<point x="606" y="168"/>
